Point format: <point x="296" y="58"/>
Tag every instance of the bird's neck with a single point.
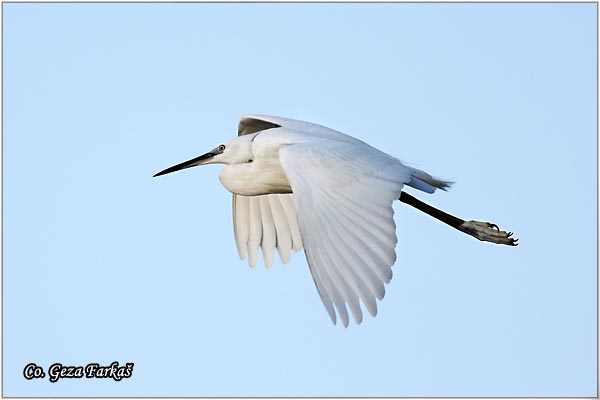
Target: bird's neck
<point x="255" y="178"/>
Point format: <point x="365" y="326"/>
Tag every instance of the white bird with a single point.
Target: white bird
<point x="299" y="185"/>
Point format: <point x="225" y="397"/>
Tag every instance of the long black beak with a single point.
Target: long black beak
<point x="187" y="164"/>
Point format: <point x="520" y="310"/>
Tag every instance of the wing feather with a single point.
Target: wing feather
<point x="289" y="209"/>
<point x="324" y="285"/>
<point x="282" y="229"/>
<point x="268" y="227"/>
<point x="267" y="222"/>
<point x="378" y="249"/>
<point x="343" y="195"/>
<point x="333" y="278"/>
<point x="255" y="238"/>
<point x="341" y="263"/>
<point x="241" y="223"/>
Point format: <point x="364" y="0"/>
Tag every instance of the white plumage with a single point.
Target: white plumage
<point x="301" y="185"/>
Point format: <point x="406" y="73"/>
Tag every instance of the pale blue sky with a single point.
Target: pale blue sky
<point x="104" y="263"/>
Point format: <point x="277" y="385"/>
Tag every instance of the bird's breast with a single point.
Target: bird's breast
<point x="255" y="178"/>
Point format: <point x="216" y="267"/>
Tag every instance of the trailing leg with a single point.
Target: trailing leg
<point x="484" y="231"/>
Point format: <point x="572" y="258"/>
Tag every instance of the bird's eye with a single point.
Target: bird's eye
<point x="221" y="148"/>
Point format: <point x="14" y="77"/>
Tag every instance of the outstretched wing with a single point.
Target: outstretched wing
<point x="343" y="193"/>
<point x="268" y="222"/>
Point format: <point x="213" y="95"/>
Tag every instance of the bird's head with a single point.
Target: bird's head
<point x="234" y="151"/>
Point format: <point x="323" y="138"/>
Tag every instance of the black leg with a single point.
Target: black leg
<point x="481" y="230"/>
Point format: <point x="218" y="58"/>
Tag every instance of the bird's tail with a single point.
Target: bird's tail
<point x="423" y="181"/>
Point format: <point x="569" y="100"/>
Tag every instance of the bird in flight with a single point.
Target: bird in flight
<point x="298" y="185"/>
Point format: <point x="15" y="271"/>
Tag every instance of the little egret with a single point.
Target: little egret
<point x="299" y="185"/>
